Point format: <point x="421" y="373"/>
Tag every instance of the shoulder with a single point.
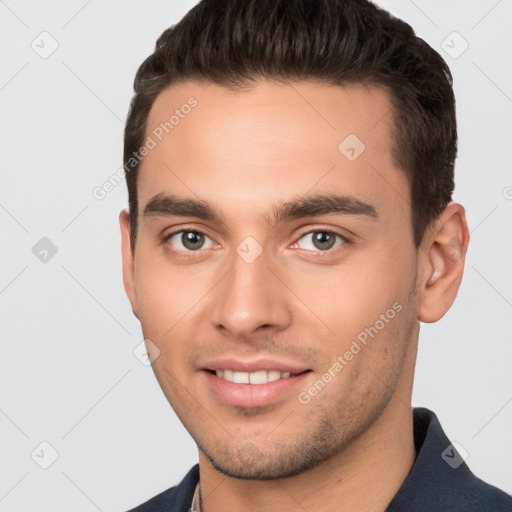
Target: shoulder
<point x="440" y="479"/>
<point x="174" y="499"/>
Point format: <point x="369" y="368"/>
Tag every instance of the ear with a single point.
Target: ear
<point x="128" y="260"/>
<point x="442" y="255"/>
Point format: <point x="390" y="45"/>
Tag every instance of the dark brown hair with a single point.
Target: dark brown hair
<point x="236" y="42"/>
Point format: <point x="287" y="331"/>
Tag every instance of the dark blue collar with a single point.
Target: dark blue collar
<point x="440" y="480"/>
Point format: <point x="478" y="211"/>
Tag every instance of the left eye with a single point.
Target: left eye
<point x="189" y="240"/>
<point x="322" y="240"/>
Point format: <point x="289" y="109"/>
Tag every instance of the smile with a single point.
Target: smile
<point x="254" y="389"/>
<point x="258" y="377"/>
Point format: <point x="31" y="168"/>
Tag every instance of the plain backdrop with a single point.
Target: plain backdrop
<point x="68" y="376"/>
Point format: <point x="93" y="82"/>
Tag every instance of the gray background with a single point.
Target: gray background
<point x="67" y="369"/>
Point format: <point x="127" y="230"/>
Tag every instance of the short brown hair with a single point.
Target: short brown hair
<point x="236" y="42"/>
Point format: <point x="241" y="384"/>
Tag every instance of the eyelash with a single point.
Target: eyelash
<point x="316" y="254"/>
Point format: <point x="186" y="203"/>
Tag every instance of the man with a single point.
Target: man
<point x="290" y="171"/>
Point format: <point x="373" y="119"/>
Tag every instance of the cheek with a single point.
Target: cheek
<point x="349" y="298"/>
<point x="166" y="294"/>
<point x="357" y="311"/>
<point x="381" y="278"/>
<point x="169" y="300"/>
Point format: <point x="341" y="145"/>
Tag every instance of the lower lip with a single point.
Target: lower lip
<point x="254" y="395"/>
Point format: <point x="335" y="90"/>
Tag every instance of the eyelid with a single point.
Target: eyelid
<point x="324" y="229"/>
<point x="178" y="229"/>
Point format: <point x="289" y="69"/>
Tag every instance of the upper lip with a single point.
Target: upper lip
<point x="254" y="365"/>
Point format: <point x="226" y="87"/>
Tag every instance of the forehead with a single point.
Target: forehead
<point x="271" y="141"/>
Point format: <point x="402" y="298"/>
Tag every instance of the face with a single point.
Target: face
<point x="274" y="268"/>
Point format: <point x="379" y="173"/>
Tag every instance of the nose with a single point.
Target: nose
<point x="251" y="297"/>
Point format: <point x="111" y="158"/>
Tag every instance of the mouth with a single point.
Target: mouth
<point x="256" y="388"/>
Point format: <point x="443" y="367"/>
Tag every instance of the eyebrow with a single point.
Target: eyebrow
<point x="169" y="205"/>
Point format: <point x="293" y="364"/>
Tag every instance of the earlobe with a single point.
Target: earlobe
<point x="442" y="258"/>
<point x="128" y="260"/>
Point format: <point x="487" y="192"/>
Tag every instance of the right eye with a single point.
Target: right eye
<point x="187" y="240"/>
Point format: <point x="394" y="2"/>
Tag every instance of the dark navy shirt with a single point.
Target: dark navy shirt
<point x="439" y="480"/>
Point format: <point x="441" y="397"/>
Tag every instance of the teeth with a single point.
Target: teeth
<point x="241" y="377"/>
<point x="259" y="377"/>
<point x="274" y="375"/>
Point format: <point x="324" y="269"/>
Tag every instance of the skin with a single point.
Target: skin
<point x="244" y="152"/>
